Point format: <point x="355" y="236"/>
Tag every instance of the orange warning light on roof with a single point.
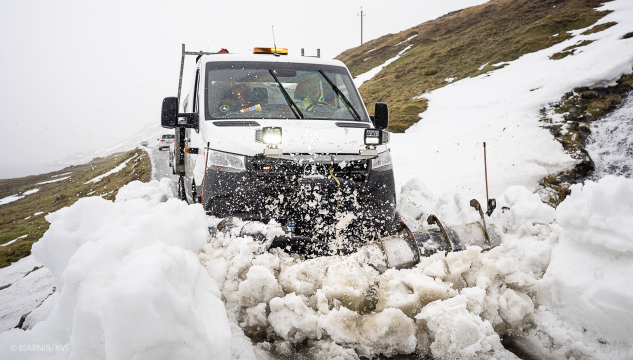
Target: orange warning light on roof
<point x="267" y="50"/>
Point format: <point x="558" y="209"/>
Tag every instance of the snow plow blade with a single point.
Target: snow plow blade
<point x="402" y="250"/>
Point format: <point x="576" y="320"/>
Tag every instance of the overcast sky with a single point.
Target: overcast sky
<point x="80" y="75"/>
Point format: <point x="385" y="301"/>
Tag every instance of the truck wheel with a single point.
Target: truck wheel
<point x="194" y="193"/>
<point x="181" y="189"/>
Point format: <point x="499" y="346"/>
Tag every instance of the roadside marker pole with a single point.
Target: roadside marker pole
<point x="486" y="174"/>
<point x="206" y="163"/>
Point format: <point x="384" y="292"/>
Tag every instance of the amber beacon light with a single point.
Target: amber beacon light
<point x="268" y="50"/>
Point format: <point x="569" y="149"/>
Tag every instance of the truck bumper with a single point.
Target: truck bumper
<point x="362" y="202"/>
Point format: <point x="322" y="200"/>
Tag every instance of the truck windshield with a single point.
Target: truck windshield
<point x="247" y="90"/>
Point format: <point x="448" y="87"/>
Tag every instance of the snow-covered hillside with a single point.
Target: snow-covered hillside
<point x="502" y="108"/>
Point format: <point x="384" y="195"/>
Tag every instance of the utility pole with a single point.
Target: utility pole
<point x="361" y="24"/>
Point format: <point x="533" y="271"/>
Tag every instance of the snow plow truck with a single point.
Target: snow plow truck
<point x="266" y="136"/>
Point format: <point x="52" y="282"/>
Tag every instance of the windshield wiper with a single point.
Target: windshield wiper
<point x="291" y="103"/>
<point x="338" y="92"/>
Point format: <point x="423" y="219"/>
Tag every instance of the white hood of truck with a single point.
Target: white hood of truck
<point x="298" y="137"/>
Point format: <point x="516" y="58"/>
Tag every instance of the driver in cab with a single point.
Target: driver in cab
<point x="308" y="94"/>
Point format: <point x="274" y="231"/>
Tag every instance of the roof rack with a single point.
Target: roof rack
<point x="318" y="55"/>
<point x="182" y="64"/>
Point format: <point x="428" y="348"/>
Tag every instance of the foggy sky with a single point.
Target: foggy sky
<point x="79" y="75"/>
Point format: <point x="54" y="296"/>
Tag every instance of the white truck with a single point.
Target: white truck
<point x="268" y="136"/>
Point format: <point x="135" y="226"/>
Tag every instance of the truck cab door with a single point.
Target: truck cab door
<point x="191" y="136"/>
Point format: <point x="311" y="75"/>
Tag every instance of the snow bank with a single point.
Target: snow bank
<point x="588" y="282"/>
<point x="449" y="305"/>
<point x="128" y="280"/>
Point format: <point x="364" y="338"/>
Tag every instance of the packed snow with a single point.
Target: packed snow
<point x="13" y="198"/>
<point x="17" y="270"/>
<point x="23" y="296"/>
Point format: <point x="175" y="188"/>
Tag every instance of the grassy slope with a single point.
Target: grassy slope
<point x="13" y="216"/>
<point x="458" y="44"/>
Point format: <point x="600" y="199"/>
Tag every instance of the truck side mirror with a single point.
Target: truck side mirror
<point x="170" y="118"/>
<point x="169" y="114"/>
<point x="381" y="116"/>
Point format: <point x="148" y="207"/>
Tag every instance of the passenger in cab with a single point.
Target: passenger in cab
<point x="236" y="98"/>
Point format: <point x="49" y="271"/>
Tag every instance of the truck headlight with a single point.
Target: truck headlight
<point x="220" y="161"/>
<point x="382" y="162"/>
<point x="271" y="135"/>
<point x="376" y="137"/>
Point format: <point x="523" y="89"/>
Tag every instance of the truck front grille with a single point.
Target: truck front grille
<point x="285" y="175"/>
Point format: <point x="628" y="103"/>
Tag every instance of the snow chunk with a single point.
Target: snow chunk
<point x="523" y="206"/>
<point x="155" y="191"/>
<point x="457" y="332"/>
<point x="292" y="319"/>
<point x="389" y="332"/>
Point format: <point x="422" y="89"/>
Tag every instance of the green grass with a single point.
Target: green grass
<point x="17" y="218"/>
<point x="458" y="44"/>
